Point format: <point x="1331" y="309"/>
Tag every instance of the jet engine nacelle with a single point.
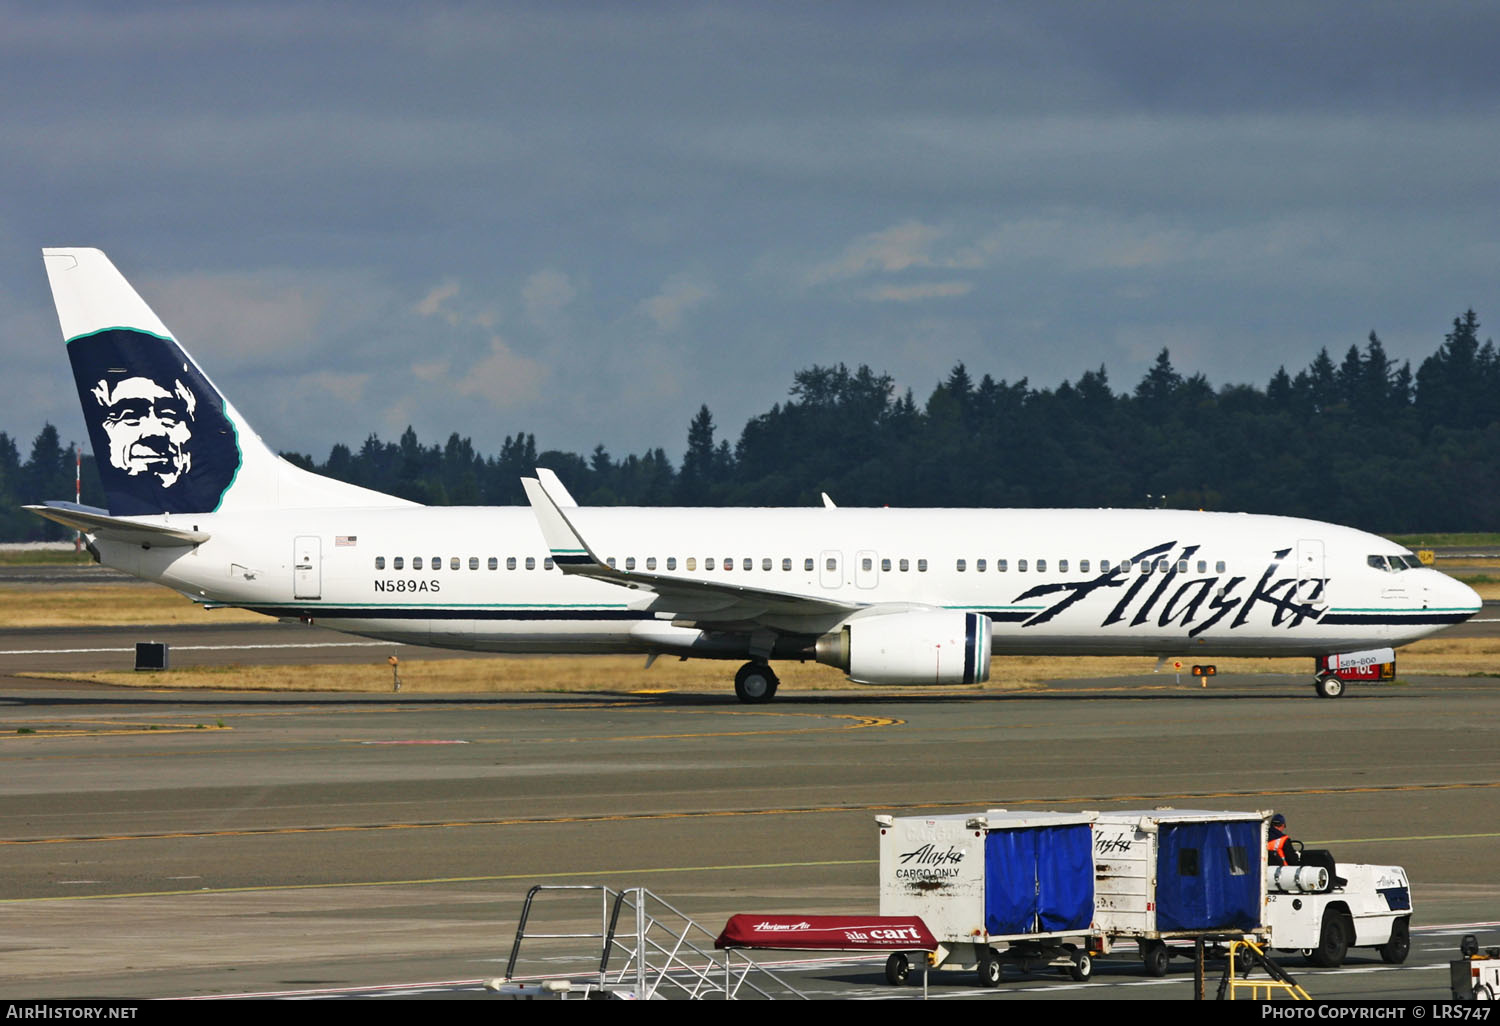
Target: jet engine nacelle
<point x="911" y="648"/>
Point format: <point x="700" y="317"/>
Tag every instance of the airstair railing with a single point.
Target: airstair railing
<point x="658" y="950"/>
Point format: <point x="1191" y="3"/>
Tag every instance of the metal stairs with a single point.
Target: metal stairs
<point x="647" y="950"/>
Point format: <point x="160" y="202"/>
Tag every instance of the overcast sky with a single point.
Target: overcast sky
<point x="586" y="220"/>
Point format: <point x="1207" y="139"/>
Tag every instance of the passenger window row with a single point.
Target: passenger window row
<point x="867" y="564"/>
<point x="649" y="563"/>
<point x="455" y="563"/>
<point x="1085" y="566"/>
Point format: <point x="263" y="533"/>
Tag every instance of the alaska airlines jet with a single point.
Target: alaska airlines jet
<point x="199" y="503"/>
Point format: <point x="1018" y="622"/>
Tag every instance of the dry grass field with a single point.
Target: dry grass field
<point x="1464" y="657"/>
<point x="125" y="605"/>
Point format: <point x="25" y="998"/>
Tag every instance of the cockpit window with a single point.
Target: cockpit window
<point x="1394" y="564"/>
<point x="1412" y="562"/>
<point x="1378" y="562"/>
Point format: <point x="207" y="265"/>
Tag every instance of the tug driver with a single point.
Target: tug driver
<point x="1279" y="851"/>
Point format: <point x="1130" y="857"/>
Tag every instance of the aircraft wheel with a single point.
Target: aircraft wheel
<point x="989" y="969"/>
<point x="1082" y="968"/>
<point x="1157" y="958"/>
<point x="897" y="969"/>
<point x="1329" y="687"/>
<point x="1395" y="950"/>
<point x="755" y="683"/>
<point x="1333" y="943"/>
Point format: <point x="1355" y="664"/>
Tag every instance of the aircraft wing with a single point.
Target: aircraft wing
<point x="704" y="603"/>
<point x="98" y="522"/>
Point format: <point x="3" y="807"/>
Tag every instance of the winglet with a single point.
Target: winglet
<point x="559" y="495"/>
<point x="568" y="549"/>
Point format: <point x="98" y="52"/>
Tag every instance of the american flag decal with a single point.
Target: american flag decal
<point x="345" y="541"/>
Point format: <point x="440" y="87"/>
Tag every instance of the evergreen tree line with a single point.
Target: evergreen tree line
<point x="1363" y="442"/>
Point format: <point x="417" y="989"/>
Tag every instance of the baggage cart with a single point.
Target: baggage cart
<point x="993" y="888"/>
<point x="1166" y="875"/>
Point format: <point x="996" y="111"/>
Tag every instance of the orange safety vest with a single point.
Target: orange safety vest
<point x="1276" y="846"/>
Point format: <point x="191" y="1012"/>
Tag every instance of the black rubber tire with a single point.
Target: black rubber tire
<point x="897" y="969"/>
<point x="989" y="969"/>
<point x="1395" y="950"/>
<point x="1156" y="958"/>
<point x="1329" y="687"/>
<point x="755" y="683"/>
<point x="1082" y="968"/>
<point x="1333" y="942"/>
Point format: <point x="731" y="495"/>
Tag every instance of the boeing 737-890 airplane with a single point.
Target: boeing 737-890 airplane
<point x="199" y="503"/>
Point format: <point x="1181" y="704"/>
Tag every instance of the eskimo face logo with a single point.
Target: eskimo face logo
<point x="162" y="439"/>
<point x="149" y="427"/>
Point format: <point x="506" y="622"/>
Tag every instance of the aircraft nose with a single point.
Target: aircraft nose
<point x="1456" y="595"/>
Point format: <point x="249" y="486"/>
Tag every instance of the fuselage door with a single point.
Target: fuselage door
<point x="831" y="569"/>
<point x="307" y="567"/>
<point x="866" y="569"/>
<point x="1311" y="572"/>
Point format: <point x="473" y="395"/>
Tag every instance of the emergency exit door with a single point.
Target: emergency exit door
<point x="830" y="569"/>
<point x="307" y="567"/>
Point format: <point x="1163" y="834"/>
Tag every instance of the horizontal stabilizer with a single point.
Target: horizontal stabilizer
<point x="122" y="529"/>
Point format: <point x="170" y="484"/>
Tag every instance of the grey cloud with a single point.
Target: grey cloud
<point x="1076" y="182"/>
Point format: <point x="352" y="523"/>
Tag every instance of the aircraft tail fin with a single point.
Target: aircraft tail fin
<point x="165" y="439"/>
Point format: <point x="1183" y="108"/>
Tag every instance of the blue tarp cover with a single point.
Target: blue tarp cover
<point x="1208" y="876"/>
<point x="1065" y="879"/>
<point x="1038" y="880"/>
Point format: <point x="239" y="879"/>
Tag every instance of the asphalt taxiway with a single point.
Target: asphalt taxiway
<point x="200" y="843"/>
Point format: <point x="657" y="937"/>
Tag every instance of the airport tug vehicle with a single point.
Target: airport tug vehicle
<point x="1476" y="975"/>
<point x="1335" y="672"/>
<point x="1323" y="908"/>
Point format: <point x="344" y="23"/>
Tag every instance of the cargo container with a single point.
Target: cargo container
<point x="1170" y="874"/>
<point x="993" y="888"/>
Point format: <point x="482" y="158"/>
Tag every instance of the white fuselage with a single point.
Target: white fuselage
<point x="1051" y="581"/>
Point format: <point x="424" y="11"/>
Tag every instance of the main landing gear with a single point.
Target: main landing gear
<point x="755" y="683"/>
